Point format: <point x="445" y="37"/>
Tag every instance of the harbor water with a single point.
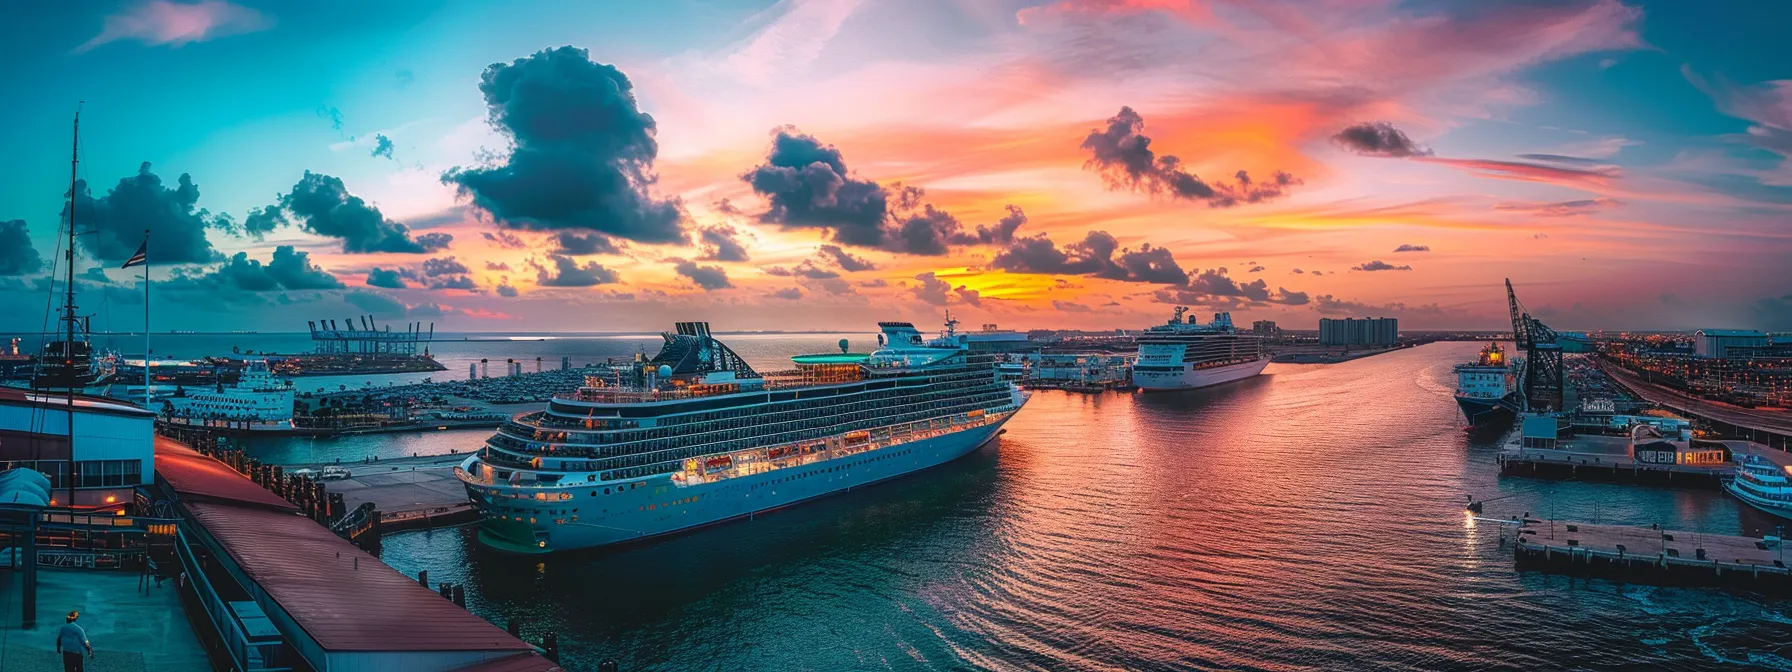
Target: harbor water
<point x="1308" y="518"/>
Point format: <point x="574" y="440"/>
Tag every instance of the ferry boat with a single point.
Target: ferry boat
<point x="1762" y="484"/>
<point x="1185" y="354"/>
<point x="1487" y="388"/>
<point x="256" y="402"/>
<point x="695" y="436"/>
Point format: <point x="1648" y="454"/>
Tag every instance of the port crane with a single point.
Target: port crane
<point x="1542" y="384"/>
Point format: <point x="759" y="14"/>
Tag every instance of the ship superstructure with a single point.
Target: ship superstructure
<point x="695" y="436"/>
<point x="1487" y="388"/>
<point x="1762" y="484"/>
<point x="256" y="401"/>
<point x="1186" y="354"/>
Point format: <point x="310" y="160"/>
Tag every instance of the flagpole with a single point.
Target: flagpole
<point x="146" y="378"/>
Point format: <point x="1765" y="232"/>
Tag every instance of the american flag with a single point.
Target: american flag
<point x="140" y="258"/>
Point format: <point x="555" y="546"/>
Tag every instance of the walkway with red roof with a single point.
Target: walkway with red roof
<point x="343" y="599"/>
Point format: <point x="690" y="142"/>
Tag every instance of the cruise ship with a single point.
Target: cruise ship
<point x="256" y="401"/>
<point x="695" y="436"/>
<point x="1487" y="388"/>
<point x="1185" y="354"/>
<point x="1762" y="484"/>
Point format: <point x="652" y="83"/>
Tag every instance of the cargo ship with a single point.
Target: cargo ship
<point x="695" y="436"/>
<point x="1487" y="388"/>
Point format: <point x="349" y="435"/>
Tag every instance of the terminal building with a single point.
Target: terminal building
<point x="113" y="451"/>
<point x="1373" y="331"/>
<point x="1725" y="343"/>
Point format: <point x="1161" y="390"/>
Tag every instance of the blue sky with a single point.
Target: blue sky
<point x="1624" y="162"/>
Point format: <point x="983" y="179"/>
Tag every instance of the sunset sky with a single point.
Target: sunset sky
<point x="824" y="164"/>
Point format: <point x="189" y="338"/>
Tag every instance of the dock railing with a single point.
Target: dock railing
<point x="248" y="653"/>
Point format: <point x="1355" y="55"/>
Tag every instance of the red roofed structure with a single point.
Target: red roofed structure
<point x="334" y="605"/>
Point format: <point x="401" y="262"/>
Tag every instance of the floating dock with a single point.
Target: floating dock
<point x="1648" y="555"/>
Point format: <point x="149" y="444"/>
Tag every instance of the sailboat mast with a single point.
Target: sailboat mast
<point x="68" y="308"/>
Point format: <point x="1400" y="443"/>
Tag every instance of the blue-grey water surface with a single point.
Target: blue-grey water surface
<point x="1308" y="519"/>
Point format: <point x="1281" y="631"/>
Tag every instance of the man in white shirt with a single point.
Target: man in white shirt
<point x="70" y="640"/>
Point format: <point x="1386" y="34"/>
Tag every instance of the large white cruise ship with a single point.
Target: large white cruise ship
<point x="257" y="402"/>
<point x="695" y="436"/>
<point x="1183" y="355"/>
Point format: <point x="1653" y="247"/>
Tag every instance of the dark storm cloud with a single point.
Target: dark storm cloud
<point x="1379" y="265"/>
<point x="567" y="272"/>
<point x="582" y="152"/>
<point x="17" y="256"/>
<point x="1003" y="232"/>
<point x="1256" y="269"/>
<point x="721" y="243"/>
<point x="788" y="294"/>
<point x="387" y="278"/>
<point x="288" y="269"/>
<point x="930" y="232"/>
<point x="968" y="295"/>
<point x="262" y="221"/>
<point x="1093" y="256"/>
<point x="497" y="266"/>
<point x="577" y="244"/>
<point x="118" y="219"/>
<point x="808" y="186"/>
<point x="324" y="207"/>
<point x="1122" y="154"/>
<point x="1214" y="288"/>
<point x="1413" y="248"/>
<point x="507" y="291"/>
<point x="931" y="289"/>
<point x="382" y="146"/>
<point x="444" y="266"/>
<point x="505" y="239"/>
<point x="710" y="278"/>
<point x="846" y="261"/>
<point x="454" y="282"/>
<point x="806" y="269"/>
<point x="1378" y="139"/>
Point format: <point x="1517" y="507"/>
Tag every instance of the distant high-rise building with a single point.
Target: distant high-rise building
<point x="1264" y="327"/>
<point x="1352" y="331"/>
<point x="565" y="363"/>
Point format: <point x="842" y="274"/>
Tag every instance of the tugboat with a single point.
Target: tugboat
<point x="1487" y="389"/>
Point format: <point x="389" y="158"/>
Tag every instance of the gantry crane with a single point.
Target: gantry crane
<point x="1542" y="384"/>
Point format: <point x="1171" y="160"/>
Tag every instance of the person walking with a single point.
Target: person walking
<point x="70" y="641"/>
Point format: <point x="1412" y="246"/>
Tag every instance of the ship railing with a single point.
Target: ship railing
<point x="758" y="460"/>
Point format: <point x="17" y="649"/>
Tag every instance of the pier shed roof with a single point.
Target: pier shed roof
<point x="344" y="598"/>
<point x="197" y="477"/>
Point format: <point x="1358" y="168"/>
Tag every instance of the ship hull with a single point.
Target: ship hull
<point x="633" y="512"/>
<point x="1192" y="378"/>
<point x="1782" y="510"/>
<point x="1482" y="412"/>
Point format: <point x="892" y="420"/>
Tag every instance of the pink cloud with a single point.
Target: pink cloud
<point x="159" y="22"/>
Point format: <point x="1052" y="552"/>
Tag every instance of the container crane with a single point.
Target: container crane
<point x="1542" y="384"/>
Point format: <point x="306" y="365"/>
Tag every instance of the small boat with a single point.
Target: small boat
<point x="1760" y="483"/>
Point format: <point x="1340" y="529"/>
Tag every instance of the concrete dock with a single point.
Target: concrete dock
<point x="411" y="493"/>
<point x="1603" y="457"/>
<point x="1652" y="556"/>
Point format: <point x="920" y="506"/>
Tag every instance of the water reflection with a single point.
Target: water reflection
<point x="1309" y="518"/>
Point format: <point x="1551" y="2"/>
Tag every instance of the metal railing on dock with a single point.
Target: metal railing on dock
<point x="1653" y="556"/>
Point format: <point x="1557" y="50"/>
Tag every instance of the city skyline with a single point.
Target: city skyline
<point x="824" y="164"/>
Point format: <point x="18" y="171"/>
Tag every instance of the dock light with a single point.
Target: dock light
<point x="111" y="499"/>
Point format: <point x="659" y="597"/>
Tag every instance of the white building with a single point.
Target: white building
<point x="114" y="446"/>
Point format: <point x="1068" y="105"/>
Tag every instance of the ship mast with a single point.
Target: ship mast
<point x="68" y="307"/>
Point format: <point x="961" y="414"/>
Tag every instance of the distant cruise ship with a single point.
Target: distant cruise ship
<point x="1487" y="388"/>
<point x="1183" y="355"/>
<point x="695" y="436"/>
<point x="257" y="401"/>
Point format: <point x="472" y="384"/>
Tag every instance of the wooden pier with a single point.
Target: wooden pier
<point x="1647" y="555"/>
